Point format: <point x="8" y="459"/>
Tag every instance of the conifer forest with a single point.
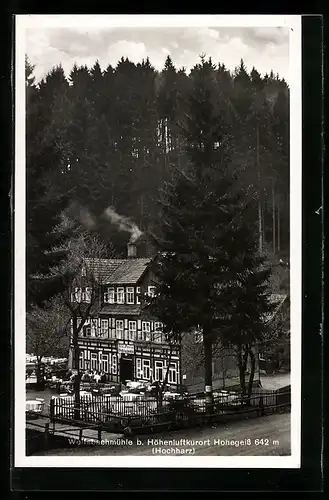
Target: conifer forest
<point x="113" y="138"/>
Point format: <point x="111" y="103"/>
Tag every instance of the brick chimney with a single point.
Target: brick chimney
<point x="131" y="251"/>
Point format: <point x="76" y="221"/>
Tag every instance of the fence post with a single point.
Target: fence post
<point x="52" y="413"/>
<point x="51" y="409"/>
<point x="80" y="433"/>
<point x="46" y="437"/>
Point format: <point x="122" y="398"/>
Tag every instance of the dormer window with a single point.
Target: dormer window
<point x="120" y="296"/>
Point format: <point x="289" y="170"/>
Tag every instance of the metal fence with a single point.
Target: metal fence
<point x="99" y="414"/>
<point x="102" y="408"/>
<point x="133" y="409"/>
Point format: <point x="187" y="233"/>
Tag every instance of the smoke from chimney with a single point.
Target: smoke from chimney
<point x="124" y="224"/>
<point x="89" y="221"/>
<point x="82" y="215"/>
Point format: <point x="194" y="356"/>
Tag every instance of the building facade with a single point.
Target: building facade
<point x="122" y="341"/>
<point x="126" y="344"/>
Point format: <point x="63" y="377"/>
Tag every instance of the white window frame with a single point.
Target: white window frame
<point x="121" y="330"/>
<point x="173" y="371"/>
<point x="114" y="364"/>
<point x="151" y="291"/>
<point x="105" y="362"/>
<point x="157" y="368"/>
<point x="104" y="330"/>
<point x="93" y="357"/>
<point x="138" y="295"/>
<point x="94" y="327"/>
<point x="130" y="293"/>
<point x="132" y="330"/>
<point x="146" y="330"/>
<point x="139" y="372"/>
<point x="140" y="334"/>
<point x="120" y="295"/>
<point x="109" y="295"/>
<point x="146" y="363"/>
<point x="112" y="333"/>
<point x="81" y="361"/>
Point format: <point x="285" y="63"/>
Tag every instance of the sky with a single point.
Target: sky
<point x="266" y="48"/>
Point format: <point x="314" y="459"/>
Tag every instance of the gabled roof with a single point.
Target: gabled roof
<point x="118" y="271"/>
<point x="129" y="271"/>
<point x="103" y="268"/>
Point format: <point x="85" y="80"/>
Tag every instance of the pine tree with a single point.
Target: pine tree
<point x="280" y="127"/>
<point x="111" y="137"/>
<point x="145" y="172"/>
<point x="43" y="165"/>
<point x="167" y="108"/>
<point x="196" y="210"/>
<point x="207" y="257"/>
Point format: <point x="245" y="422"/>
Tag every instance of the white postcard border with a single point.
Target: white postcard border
<point x="24" y="22"/>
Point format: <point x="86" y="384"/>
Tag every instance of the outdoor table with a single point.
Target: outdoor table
<point x="34" y="405"/>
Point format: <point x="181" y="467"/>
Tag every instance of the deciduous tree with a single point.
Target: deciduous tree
<point x="78" y="273"/>
<point x="46" y="328"/>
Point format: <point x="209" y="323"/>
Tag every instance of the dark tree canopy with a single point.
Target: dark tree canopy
<point x="209" y="271"/>
<point x="114" y="136"/>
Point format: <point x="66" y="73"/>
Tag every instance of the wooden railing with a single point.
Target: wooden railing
<point x="103" y="409"/>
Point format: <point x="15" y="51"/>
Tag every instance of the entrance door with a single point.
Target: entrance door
<point x="126" y="368"/>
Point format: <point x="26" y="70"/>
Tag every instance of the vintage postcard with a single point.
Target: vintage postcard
<point x="157" y="241"/>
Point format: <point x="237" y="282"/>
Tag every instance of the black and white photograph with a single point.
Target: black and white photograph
<point x="158" y="241"/>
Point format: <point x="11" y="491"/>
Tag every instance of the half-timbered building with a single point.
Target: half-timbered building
<point x="122" y="341"/>
<point x="126" y="344"/>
